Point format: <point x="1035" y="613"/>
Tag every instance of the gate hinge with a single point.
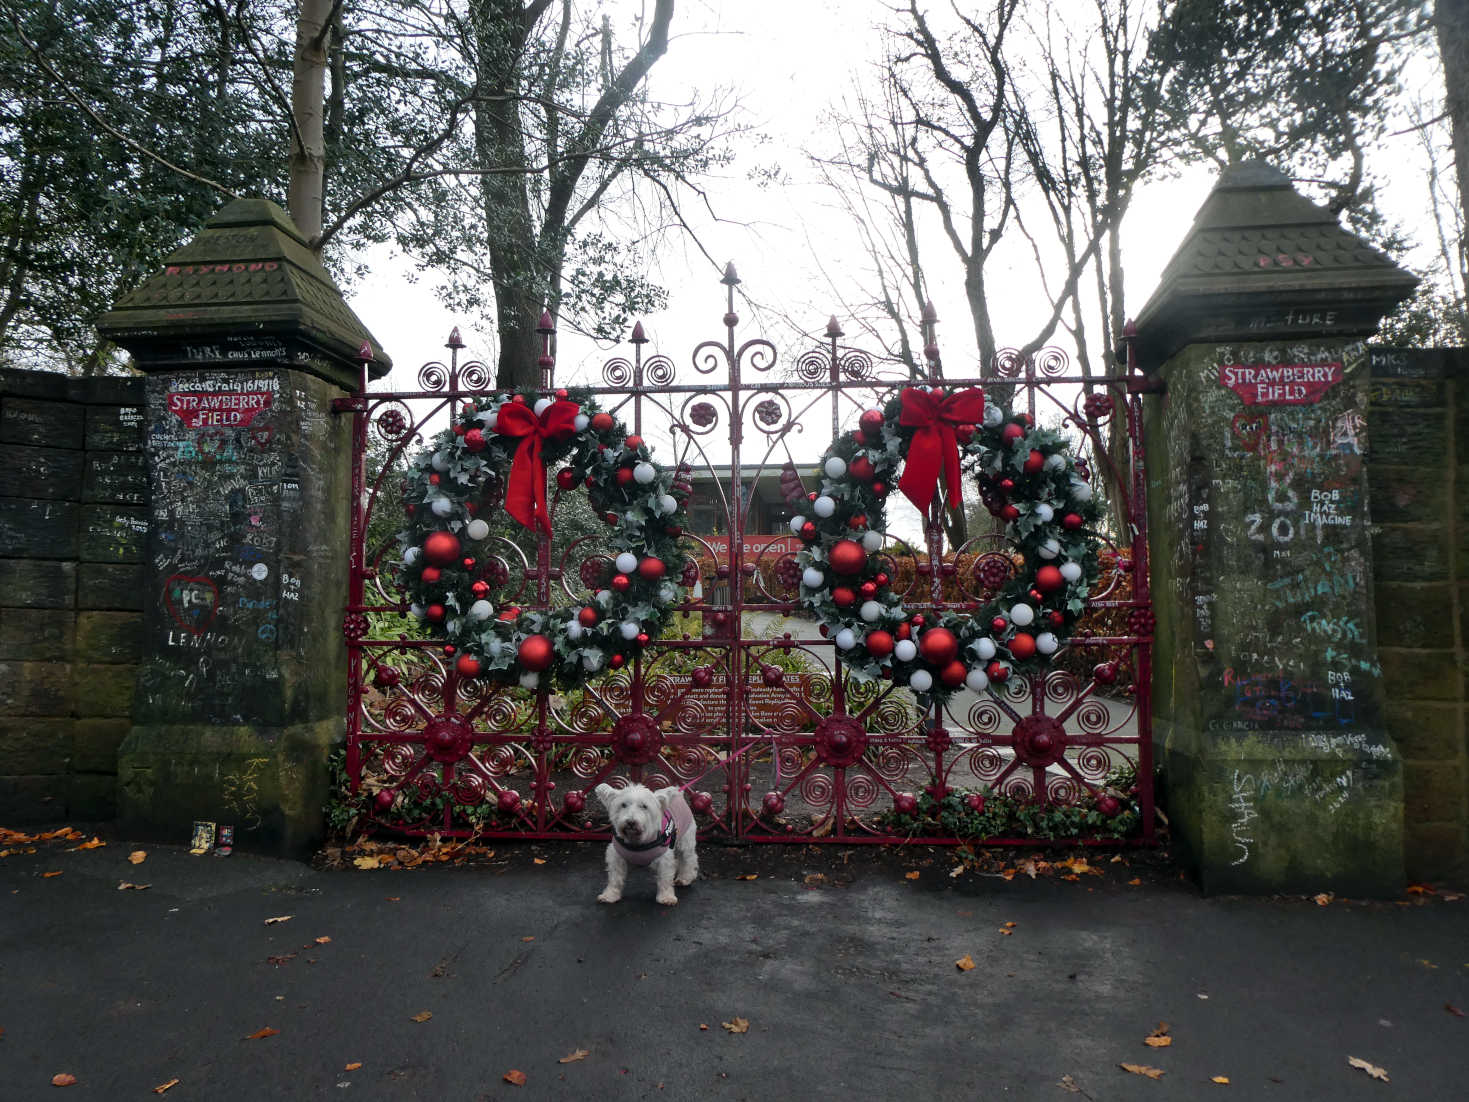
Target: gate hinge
<point x="355" y="404"/>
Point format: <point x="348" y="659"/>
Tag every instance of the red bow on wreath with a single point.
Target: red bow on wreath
<point x="935" y="449"/>
<point x="525" y="493"/>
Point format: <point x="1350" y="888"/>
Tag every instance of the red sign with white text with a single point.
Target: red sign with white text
<point x="1280" y="384"/>
<point x="203" y="409"/>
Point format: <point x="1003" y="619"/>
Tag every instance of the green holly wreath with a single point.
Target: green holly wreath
<point x="1027" y="477"/>
<point x="503" y="444"/>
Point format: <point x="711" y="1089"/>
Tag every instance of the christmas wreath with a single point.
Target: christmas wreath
<point x="1027" y="477"/>
<point x="503" y="444"/>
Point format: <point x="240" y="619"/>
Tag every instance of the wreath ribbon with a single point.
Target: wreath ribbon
<point x="525" y="491"/>
<point x="935" y="449"/>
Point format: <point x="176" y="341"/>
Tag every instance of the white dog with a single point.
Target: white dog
<point x="649" y="828"/>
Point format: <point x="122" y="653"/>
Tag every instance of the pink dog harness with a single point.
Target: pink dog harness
<point x="677" y="817"/>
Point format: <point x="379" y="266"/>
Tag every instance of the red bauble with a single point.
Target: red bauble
<point x="880" y="489"/>
<point x="566" y="478"/>
<point x="434" y="479"/>
<point x="953" y="675"/>
<point x="508" y="800"/>
<point x="964" y="433"/>
<point x="1009" y="512"/>
<point x="847" y="557"/>
<point x="633" y="443"/>
<point x="868" y="590"/>
<point x="651" y="569"/>
<point x="1048" y="579"/>
<point x="842" y="597"/>
<point x="1058" y="618"/>
<point x="938" y="646"/>
<point x="508" y="615"/>
<point x="881" y="580"/>
<point x="518" y="399"/>
<point x="620" y="583"/>
<point x="871" y="421"/>
<point x="808" y="531"/>
<point x="588" y="617"/>
<point x="1011" y="433"/>
<point x="903" y="631"/>
<point x="617" y="661"/>
<point x="1105" y="673"/>
<point x="536" y="653"/>
<point x="441" y="548"/>
<point x="642" y="638"/>
<point x="624" y="476"/>
<point x="917" y="621"/>
<point x="430" y="575"/>
<point x="561" y="393"/>
<point x="610" y="518"/>
<point x="384" y="799"/>
<point x="1007" y="484"/>
<point x="1109" y="805"/>
<point x="999" y="624"/>
<point x="468" y="564"/>
<point x="602" y="422"/>
<point x="474" y="440"/>
<point x="861" y="469"/>
<point x="858" y="520"/>
<point x="480" y="588"/>
<point x="434" y="614"/>
<point x="997" y="671"/>
<point x="468" y="665"/>
<point x="905" y="803"/>
<point x="1034" y="462"/>
<point x="879" y="644"/>
<point x="1072" y="521"/>
<point x="1022" y="645"/>
<point x="449" y="649"/>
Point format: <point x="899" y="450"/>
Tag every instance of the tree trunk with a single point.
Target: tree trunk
<point x="308" y="92"/>
<point x="1452" y="21"/>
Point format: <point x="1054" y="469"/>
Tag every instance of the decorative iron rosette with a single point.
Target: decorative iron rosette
<point x="503" y="446"/>
<point x="1027" y="476"/>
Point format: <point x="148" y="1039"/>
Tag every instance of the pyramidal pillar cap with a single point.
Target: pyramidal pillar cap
<point x="246" y="292"/>
<point x="1263" y="262"/>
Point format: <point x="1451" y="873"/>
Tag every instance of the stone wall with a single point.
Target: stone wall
<point x="73" y="526"/>
<point x="1418" y="449"/>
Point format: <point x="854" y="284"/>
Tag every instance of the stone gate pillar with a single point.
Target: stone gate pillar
<point x="245" y="341"/>
<point x="1278" y="774"/>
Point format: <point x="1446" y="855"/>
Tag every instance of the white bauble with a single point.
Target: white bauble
<point x="666" y="592"/>
<point x="870" y="611"/>
<point x="441" y="506"/>
<point x="629" y="629"/>
<point x="476" y="529"/>
<point x="495" y="647"/>
<point x="993" y="416"/>
<point x="489" y="418"/>
<point x="604" y="598"/>
<point x="1043" y="512"/>
<point x="592" y="661"/>
<point x="410" y="556"/>
<point x="904" y="650"/>
<point x="920" y="681"/>
<point x="574" y="630"/>
<point x="416" y="611"/>
<point x="823" y="506"/>
<point x="984" y="648"/>
<point x="977" y="680"/>
<point x="846" y="639"/>
<point x="1080" y="490"/>
<point x="1049" y="550"/>
<point x="871" y="541"/>
<point x="644" y="473"/>
<point x="797" y="523"/>
<point x="667" y="505"/>
<point x="1055" y="461"/>
<point x="543" y="404"/>
<point x="580" y="422"/>
<point x="529" y="679"/>
<point x="1047" y="643"/>
<point x="812" y="578"/>
<point x="1071" y="571"/>
<point x="627" y="562"/>
<point x="440" y="462"/>
<point x="835" y="467"/>
<point x="481" y="610"/>
<point x="1022" y="615"/>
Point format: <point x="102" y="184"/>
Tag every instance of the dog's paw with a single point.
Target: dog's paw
<point x="668" y="899"/>
<point x="609" y="896"/>
<point x="685" y="881"/>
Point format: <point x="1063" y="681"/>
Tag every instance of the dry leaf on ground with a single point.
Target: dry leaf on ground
<point x="49" y="875"/>
<point x="421" y="1016"/>
<point x="1069" y="1084"/>
<point x="1143" y="1069"/>
<point x="128" y="886"/>
<point x="530" y="938"/>
<point x="515" y="1076"/>
<point x="749" y="876"/>
<point x="163" y="1088"/>
<point x="1159" y="1037"/>
<point x="1321" y="899"/>
<point x="703" y="1026"/>
<point x="538" y="860"/>
<point x="63" y="1079"/>
<point x="95" y="843"/>
<point x="1135" y="881"/>
<point x="739" y="1025"/>
<point x="353" y="1066"/>
<point x="1371" y="1069"/>
<point x="262" y="1033"/>
<point x="323" y="940"/>
<point x="394" y="898"/>
<point x="964" y="963"/>
<point x="914" y="875"/>
<point x="1454" y="1010"/>
<point x="278" y="918"/>
<point x="138" y="856"/>
<point x="1421" y="889"/>
<point x="571" y="1058"/>
<point x="1222" y="1080"/>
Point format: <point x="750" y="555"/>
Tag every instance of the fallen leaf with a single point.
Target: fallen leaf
<point x="128" y="886"/>
<point x="815" y="878"/>
<point x="1007" y="874"/>
<point x="283" y="958"/>
<point x="1321" y="899"/>
<point x="739" y="1025"/>
<point x="1371" y="1069"/>
<point x="1135" y="881"/>
<point x="571" y="1058"/>
<point x="537" y="861"/>
<point x="1452" y="897"/>
<point x="368" y="862"/>
<point x="63" y="1079"/>
<point x="1069" y="1084"/>
<point x="421" y="1016"/>
<point x="1222" y="1080"/>
<point x="49" y="875"/>
<point x="516" y="1077"/>
<point x="1143" y="1069"/>
<point x="138" y="856"/>
<point x="262" y="1033"/>
<point x="278" y="918"/>
<point x="749" y="876"/>
<point x="1008" y="925"/>
<point x="394" y="898"/>
<point x="353" y="1066"/>
<point x="1421" y="889"/>
<point x="165" y="1087"/>
<point x="1454" y="1010"/>
<point x="914" y="875"/>
<point x="1159" y="1037"/>
<point x="323" y="940"/>
<point x="703" y="1028"/>
<point x="532" y="938"/>
<point x="964" y="963"/>
<point x="95" y="843"/>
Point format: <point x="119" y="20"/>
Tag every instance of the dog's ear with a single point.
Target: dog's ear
<point x="606" y="793"/>
<point x="666" y="796"/>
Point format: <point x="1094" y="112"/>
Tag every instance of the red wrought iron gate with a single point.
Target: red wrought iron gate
<point x="745" y="705"/>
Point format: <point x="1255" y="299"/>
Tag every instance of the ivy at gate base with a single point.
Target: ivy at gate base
<point x="1027" y="476"/>
<point x="498" y="450"/>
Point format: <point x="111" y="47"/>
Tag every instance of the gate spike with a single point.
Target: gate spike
<point x="729" y="274"/>
<point x="833" y="330"/>
<point x="455" y="341"/>
<point x="638" y="336"/>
